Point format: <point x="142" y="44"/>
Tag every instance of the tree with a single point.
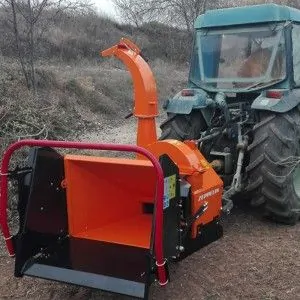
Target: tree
<point x="30" y="20"/>
<point x="132" y="12"/>
<point x="175" y="12"/>
<point x="180" y="13"/>
<point x="293" y="3"/>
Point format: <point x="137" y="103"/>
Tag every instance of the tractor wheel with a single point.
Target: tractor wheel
<point x="274" y="170"/>
<point x="183" y="127"/>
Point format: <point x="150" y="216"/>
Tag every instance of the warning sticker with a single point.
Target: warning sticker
<point x="169" y="190"/>
<point x="166" y="202"/>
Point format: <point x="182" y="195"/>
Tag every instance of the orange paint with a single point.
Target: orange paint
<point x="145" y="95"/>
<point x="184" y="157"/>
<point x="105" y="198"/>
<point x="206" y="185"/>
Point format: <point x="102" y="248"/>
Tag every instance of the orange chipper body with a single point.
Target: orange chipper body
<point x="112" y="223"/>
<point x="206" y="185"/>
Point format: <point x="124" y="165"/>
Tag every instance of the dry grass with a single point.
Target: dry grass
<point x="80" y="102"/>
<point x="73" y="100"/>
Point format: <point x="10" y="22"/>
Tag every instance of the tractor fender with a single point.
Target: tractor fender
<point x="194" y="99"/>
<point x="285" y="103"/>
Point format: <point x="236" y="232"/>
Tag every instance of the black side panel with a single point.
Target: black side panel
<point x="42" y="206"/>
<point x="207" y="234"/>
<point x="171" y="207"/>
<point x="115" y="260"/>
<point x="47" y="211"/>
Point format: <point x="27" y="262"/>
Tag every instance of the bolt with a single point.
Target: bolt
<point x="180" y="248"/>
<point x="42" y="208"/>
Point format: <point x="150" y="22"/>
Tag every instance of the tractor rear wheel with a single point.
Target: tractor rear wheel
<point x="273" y="170"/>
<point x="183" y="127"/>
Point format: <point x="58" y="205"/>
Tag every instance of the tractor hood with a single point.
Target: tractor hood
<point x="247" y="15"/>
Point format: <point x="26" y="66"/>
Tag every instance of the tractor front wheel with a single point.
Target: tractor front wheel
<point x="274" y="170"/>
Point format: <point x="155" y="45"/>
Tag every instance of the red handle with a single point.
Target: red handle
<point x="158" y="242"/>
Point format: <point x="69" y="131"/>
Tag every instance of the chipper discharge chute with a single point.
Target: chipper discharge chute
<point x="112" y="223"/>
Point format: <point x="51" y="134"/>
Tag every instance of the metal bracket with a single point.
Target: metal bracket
<point x="16" y="172"/>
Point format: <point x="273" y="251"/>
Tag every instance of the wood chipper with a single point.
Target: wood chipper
<point x="112" y="223"/>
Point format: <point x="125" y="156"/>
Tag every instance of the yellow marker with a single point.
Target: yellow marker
<point x="172" y="186"/>
<point x="204" y="164"/>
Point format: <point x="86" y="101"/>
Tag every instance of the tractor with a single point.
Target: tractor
<point x="241" y="105"/>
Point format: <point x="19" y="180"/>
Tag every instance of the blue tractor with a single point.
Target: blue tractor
<point x="241" y="104"/>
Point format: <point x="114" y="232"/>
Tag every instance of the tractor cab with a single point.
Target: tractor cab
<point x="242" y="54"/>
<point x="243" y="59"/>
<point x="246" y="49"/>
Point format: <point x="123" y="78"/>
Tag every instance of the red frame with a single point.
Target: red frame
<point x="158" y="214"/>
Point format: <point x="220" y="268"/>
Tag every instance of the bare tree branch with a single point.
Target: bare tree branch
<point x="30" y="20"/>
<point x="180" y="13"/>
<point x="17" y="41"/>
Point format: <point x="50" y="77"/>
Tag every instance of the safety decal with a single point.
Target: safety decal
<point x="169" y="190"/>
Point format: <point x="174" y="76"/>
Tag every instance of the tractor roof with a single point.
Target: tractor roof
<point x="247" y="15"/>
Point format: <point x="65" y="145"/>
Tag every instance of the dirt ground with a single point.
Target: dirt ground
<point x="255" y="259"/>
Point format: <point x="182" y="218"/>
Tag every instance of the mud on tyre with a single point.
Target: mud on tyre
<point x="274" y="170"/>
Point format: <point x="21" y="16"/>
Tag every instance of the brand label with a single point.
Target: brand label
<point x="209" y="194"/>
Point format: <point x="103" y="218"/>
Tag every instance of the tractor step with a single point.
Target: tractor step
<point x="106" y="266"/>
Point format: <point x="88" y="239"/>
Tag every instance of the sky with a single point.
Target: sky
<point x="106" y="6"/>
